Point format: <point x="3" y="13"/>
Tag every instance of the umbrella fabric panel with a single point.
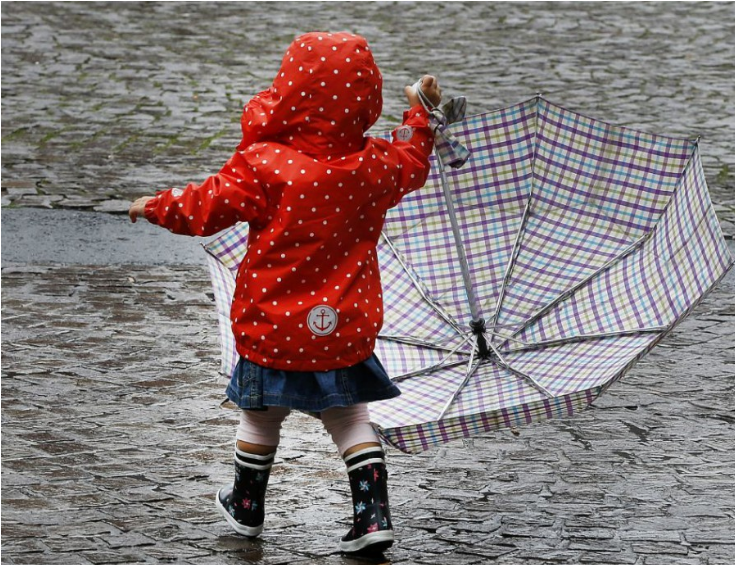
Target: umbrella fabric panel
<point x="229" y="247"/>
<point x="580" y="365"/>
<point x="558" y="251"/>
<point x="423" y="397"/>
<point x="619" y="300"/>
<point x="409" y="312"/>
<point x="490" y="192"/>
<point x="655" y="286"/>
<point x="597" y="189"/>
<point x="493" y="388"/>
<point x="691" y="237"/>
<point x="223" y="284"/>
<point x="399" y="358"/>
<point x="428" y="246"/>
<point x="420" y="437"/>
<point x="224" y="255"/>
<point x="421" y="400"/>
<point x="628" y="175"/>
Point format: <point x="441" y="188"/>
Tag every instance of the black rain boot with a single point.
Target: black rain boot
<point x="372" y="530"/>
<point x="242" y="503"/>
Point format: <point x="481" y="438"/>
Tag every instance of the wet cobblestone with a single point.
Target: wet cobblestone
<point x="104" y="102"/>
<point x="114" y="441"/>
<point x="114" y="435"/>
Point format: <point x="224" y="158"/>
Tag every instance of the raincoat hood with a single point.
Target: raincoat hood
<point x="326" y="95"/>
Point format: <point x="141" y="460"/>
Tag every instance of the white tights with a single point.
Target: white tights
<point x="348" y="426"/>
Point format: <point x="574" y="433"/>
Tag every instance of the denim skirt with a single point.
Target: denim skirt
<point x="253" y="387"/>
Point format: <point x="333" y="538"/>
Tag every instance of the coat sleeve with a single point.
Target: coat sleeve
<point x="251" y="120"/>
<point x="414" y="142"/>
<point x="235" y="194"/>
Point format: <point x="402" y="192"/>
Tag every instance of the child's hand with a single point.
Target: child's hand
<point x="137" y="208"/>
<point x="429" y="86"/>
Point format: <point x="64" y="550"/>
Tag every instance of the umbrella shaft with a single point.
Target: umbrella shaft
<point x="463" y="263"/>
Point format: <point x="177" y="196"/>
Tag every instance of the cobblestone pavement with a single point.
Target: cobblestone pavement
<point x="114" y="442"/>
<point x="114" y="438"/>
<point x="103" y="102"/>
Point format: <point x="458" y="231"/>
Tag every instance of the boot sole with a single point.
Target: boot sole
<point x="248" y="531"/>
<point x="375" y="542"/>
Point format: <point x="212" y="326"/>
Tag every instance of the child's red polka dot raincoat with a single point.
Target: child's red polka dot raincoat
<point x="315" y="192"/>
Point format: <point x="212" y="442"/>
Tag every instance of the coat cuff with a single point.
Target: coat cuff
<point x="416" y="111"/>
<point x="150" y="210"/>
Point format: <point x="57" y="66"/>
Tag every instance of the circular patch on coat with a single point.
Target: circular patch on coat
<point x="404" y="133"/>
<point x="322" y="320"/>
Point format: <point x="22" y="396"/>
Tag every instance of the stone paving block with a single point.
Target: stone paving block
<point x="43" y="559"/>
<point x="485" y="553"/>
<point x="101" y="557"/>
<point x="458" y="559"/>
<point x="611" y="558"/>
<point x="654" y="548"/>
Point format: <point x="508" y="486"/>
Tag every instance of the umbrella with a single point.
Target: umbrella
<point x="520" y="287"/>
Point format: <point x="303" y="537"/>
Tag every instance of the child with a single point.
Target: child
<point x="308" y="306"/>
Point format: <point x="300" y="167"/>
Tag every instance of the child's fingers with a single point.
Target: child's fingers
<point x="411" y="96"/>
<point x="430" y="87"/>
<point x="137" y="208"/>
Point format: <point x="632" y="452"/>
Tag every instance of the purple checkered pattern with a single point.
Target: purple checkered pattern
<point x="682" y="257"/>
<point x="449" y="151"/>
<point x="596" y="190"/>
<point x="621" y="241"/>
<point x="223" y="282"/>
<point x="490" y="194"/>
<point x="587" y="243"/>
<point x="410" y="314"/>
<point x="224" y="255"/>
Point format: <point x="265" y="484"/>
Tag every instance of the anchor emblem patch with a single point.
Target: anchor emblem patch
<point x="404" y="133"/>
<point x="322" y="320"/>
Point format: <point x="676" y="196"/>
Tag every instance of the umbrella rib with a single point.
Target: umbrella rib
<point x="584" y="337"/>
<point x="505" y="365"/>
<point x="421" y="343"/>
<point x="507" y="338"/>
<point x="472" y="367"/>
<point x="440" y="365"/>
<point x="419" y="287"/>
<point x="427" y="371"/>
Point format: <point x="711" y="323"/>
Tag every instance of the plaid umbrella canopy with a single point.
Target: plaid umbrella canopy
<point x="567" y="249"/>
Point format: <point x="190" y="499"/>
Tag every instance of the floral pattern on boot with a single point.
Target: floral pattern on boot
<point x="372" y="530"/>
<point x="242" y="504"/>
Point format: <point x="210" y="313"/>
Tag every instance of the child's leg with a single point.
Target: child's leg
<point x="259" y="431"/>
<point x="357" y="442"/>
<point x="350" y="428"/>
<point x="258" y="435"/>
